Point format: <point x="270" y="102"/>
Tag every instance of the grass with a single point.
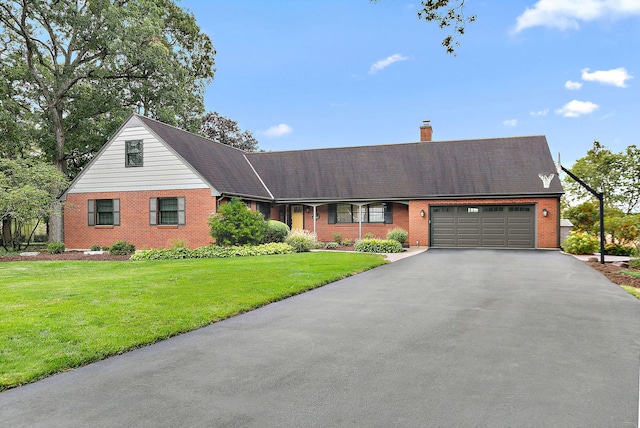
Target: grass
<point x="635" y="292"/>
<point x="57" y="315"/>
<point x="630" y="273"/>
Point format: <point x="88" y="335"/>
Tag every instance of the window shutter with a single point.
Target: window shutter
<point x="181" y="210"/>
<point x="153" y="216"/>
<point x="388" y="213"/>
<point x="333" y="214"/>
<point x="116" y="212"/>
<point x="91" y="214"/>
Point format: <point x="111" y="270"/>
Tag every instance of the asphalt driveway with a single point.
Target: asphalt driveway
<point x="447" y="338"/>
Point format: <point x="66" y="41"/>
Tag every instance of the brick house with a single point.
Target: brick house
<point x="153" y="185"/>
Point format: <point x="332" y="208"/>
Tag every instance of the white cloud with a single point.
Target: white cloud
<point x="573" y="85"/>
<point x="577" y="108"/>
<point x="384" y="63"/>
<point x="567" y="14"/>
<point x="510" y="122"/>
<point x="617" y="76"/>
<point x="540" y="112"/>
<point x="278" y="130"/>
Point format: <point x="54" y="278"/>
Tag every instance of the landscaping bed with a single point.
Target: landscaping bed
<point x="613" y="273"/>
<point x="67" y="255"/>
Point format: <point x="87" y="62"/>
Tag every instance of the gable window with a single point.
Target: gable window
<point x="103" y="212"/>
<point x="167" y="211"/>
<point x="370" y="213"/>
<point x="133" y="153"/>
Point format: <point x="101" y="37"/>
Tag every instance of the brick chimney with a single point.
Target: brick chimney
<point x="426" y="132"/>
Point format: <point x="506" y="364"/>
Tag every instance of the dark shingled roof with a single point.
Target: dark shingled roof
<point x="497" y="167"/>
<point x="224" y="167"/>
<point x="469" y="168"/>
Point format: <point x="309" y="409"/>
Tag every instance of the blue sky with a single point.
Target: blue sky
<point x="308" y="74"/>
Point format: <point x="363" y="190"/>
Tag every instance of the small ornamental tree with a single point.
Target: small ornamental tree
<point x="28" y="191"/>
<point x="235" y="224"/>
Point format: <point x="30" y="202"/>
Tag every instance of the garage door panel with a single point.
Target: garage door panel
<point x="493" y="220"/>
<point x="519" y="220"/>
<point x="491" y="231"/>
<point x="516" y="243"/>
<point x="493" y="242"/>
<point x="521" y="232"/>
<point x="483" y="226"/>
<point x="466" y="242"/>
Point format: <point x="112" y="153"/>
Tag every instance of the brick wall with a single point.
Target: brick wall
<point x="134" y="220"/>
<point x="547" y="227"/>
<point x="324" y="230"/>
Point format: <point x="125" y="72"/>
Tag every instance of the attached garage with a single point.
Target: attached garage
<point x="489" y="226"/>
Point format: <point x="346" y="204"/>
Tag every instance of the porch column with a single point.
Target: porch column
<point x="360" y="220"/>
<point x="314" y="220"/>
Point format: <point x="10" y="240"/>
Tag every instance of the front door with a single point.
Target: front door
<point x="297" y="217"/>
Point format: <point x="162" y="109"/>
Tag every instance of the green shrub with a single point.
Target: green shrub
<point x="580" y="243"/>
<point x="634" y="263"/>
<point x="378" y="246"/>
<point x="398" y="234"/>
<point x="618" y="249"/>
<point x="234" y="224"/>
<point x="95" y="248"/>
<point x="276" y="231"/>
<point x="337" y="238"/>
<point x="331" y="245"/>
<point x="178" y="243"/>
<point x="301" y="240"/>
<point x="347" y="242"/>
<point x="369" y="235"/>
<point x="213" y="251"/>
<point x="55" y="248"/>
<point x="122" y="248"/>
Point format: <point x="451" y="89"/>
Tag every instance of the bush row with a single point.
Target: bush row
<point x="378" y="246"/>
<point x="213" y="251"/>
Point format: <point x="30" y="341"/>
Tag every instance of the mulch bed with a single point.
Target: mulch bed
<point x="613" y="274"/>
<point x="67" y="255"/>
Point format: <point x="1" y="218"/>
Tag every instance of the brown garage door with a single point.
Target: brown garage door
<point x="491" y="226"/>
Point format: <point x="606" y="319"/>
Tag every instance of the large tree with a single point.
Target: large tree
<point x="79" y="66"/>
<point x="616" y="175"/>
<point x="447" y="14"/>
<point x="226" y="131"/>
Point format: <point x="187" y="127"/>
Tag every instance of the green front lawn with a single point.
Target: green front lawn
<point x="59" y="315"/>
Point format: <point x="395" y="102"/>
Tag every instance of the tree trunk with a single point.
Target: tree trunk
<point x="6" y="230"/>
<point x="55" y="228"/>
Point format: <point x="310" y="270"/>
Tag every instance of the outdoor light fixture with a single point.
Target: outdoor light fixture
<point x="308" y="210"/>
<point x="545" y="212"/>
<point x="421" y="213"/>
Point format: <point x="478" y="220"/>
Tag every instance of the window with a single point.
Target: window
<point x="512" y="209"/>
<point x="370" y="213"/>
<point x="265" y="209"/>
<point x="104" y="212"/>
<point x="133" y="153"/>
<point x="167" y="211"/>
<point x="472" y="209"/>
<point x="444" y="209"/>
<point x="345" y="213"/>
<point x="376" y="213"/>
<point x="493" y="209"/>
